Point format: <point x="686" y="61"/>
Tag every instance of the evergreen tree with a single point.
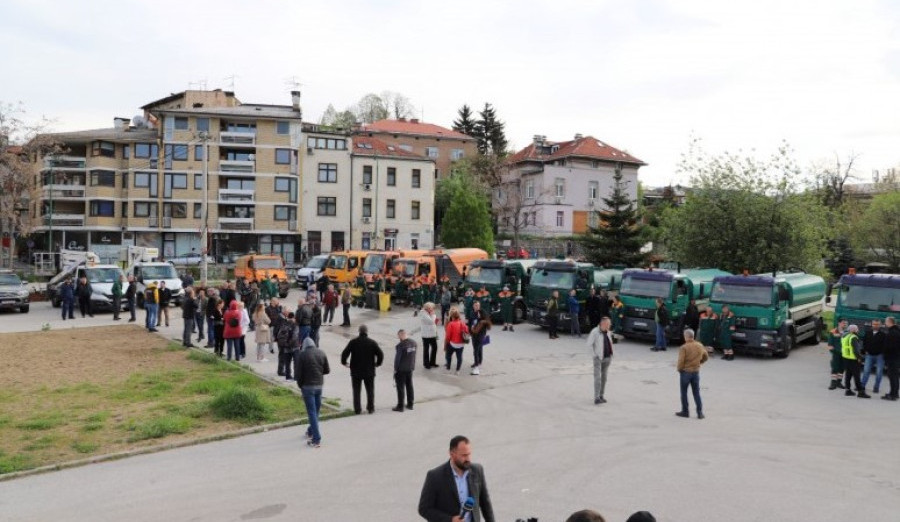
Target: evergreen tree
<point x="617" y="238"/>
<point x="466" y="122"/>
<point x="490" y="133"/>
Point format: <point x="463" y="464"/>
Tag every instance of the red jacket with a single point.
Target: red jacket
<point x="232" y="332"/>
<point x="330" y="299"/>
<point x="453" y="331"/>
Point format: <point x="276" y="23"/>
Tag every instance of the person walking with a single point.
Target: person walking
<point x="131" y="298"/>
<point x="263" y="332"/>
<point x="448" y="486"/>
<point x="67" y="299"/>
<point x="851" y="351"/>
<point x="873" y="351"/>
<point x="574" y="314"/>
<point x="117" y="294"/>
<point x="330" y="302"/>
<point x="480" y="337"/>
<point x="892" y="358"/>
<point x="346" y="301"/>
<point x="217" y="318"/>
<point x="600" y="340"/>
<point x="428" y="326"/>
<point x="725" y="331"/>
<point x="165" y="298"/>
<point x="455" y="338"/>
<point x="404" y="364"/>
<point x="232" y="331"/>
<point x="151" y="306"/>
<point x="200" y="314"/>
<point x="84" y="291"/>
<point x="287" y="336"/>
<point x="691" y="355"/>
<point x="310" y="369"/>
<point x="188" y="311"/>
<point x="362" y="355"/>
<point x="661" y="316"/>
<point x="837" y="359"/>
<point x="506" y="308"/>
<point x="553" y="314"/>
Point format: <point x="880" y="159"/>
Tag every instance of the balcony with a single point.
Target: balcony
<point x="152" y="221"/>
<point x="64" y="162"/>
<point x="236" y="195"/>
<point x="237" y="166"/>
<point x="235" y="223"/>
<point x="64" y="220"/>
<point x="238" y="138"/>
<point x="62" y="191"/>
<point x="292" y="225"/>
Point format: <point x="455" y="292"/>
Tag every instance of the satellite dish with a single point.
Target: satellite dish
<point x="138" y="121"/>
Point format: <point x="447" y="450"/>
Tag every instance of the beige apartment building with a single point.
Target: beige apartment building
<point x="142" y="181"/>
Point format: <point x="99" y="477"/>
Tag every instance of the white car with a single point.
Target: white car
<point x="311" y="273"/>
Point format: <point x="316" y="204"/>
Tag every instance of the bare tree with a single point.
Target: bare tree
<point x="829" y="179"/>
<point x="515" y="203"/>
<point x="398" y="105"/>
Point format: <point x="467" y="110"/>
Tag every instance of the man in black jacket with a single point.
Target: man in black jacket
<point x="873" y="352"/>
<point x="892" y="357"/>
<point x="310" y="369"/>
<point x="448" y="486"/>
<point x="365" y="355"/>
<point x="165" y="298"/>
<point x="83" y="292"/>
<point x="188" y="311"/>
<point x="404" y="364"/>
<point x="662" y="325"/>
<point x="130" y="297"/>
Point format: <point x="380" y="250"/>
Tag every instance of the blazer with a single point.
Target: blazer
<point x="439" y="501"/>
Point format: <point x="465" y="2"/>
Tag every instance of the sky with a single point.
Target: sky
<point x="645" y="76"/>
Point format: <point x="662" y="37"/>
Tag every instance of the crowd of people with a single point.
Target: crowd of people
<point x="853" y="359"/>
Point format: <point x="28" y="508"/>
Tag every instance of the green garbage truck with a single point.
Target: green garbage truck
<point x="549" y="275"/>
<point x="494" y="274"/>
<point x="773" y="312"/>
<point x="864" y="297"/>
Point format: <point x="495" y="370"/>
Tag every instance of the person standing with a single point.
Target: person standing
<point x="592" y="309"/>
<point x="706" y="335"/>
<point x="200" y="312"/>
<point x="837" y="359"/>
<point x="446" y="301"/>
<point x="188" y="312"/>
<point x="227" y="294"/>
<point x="851" y="351"/>
<point x="263" y="332"/>
<point x="553" y="314"/>
<point x="873" y="351"/>
<point x="316" y="320"/>
<point x="506" y="308"/>
<point x="574" y="314"/>
<point x="117" y="294"/>
<point x="600" y="340"/>
<point x="211" y="303"/>
<point x="661" y="316"/>
<point x="691" y="355"/>
<point x="310" y="369"/>
<point x="245" y="329"/>
<point x="346" y="301"/>
<point x="404" y="364"/>
<point x="232" y="331"/>
<point x="892" y="358"/>
<point x="362" y="355"/>
<point x="84" y="291"/>
<point x="480" y="337"/>
<point x="454" y="340"/>
<point x="217" y="318"/>
<point x="287" y="335"/>
<point x="692" y="316"/>
<point x="131" y="298"/>
<point x="428" y="325"/>
<point x="330" y="301"/>
<point x="725" y="331"/>
<point x="303" y="317"/>
<point x="604" y="305"/>
<point x="448" y="486"/>
<point x="151" y="306"/>
<point x="67" y="299"/>
<point x="617" y="313"/>
<point x="165" y="298"/>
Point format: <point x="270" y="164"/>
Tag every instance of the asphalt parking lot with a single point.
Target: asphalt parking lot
<point x="776" y="444"/>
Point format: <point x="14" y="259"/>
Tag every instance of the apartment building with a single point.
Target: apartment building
<point x="327" y="189"/>
<point x="442" y="145"/>
<point x="142" y="181"/>
<point x="554" y="188"/>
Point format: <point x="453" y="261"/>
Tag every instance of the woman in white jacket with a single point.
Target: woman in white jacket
<point x="245" y="327"/>
<point x="429" y="322"/>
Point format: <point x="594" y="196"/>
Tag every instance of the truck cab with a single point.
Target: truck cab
<point x="864" y="297"/>
<point x="343" y="267"/>
<point x="382" y="262"/>
<point x="563" y="276"/>
<point x="257" y="267"/>
<point x="494" y="274"/>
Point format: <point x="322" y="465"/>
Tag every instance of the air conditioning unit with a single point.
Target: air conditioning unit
<point x="366" y="220"/>
<point x="367" y="186"/>
<point x="559" y="200"/>
<point x="309" y="151"/>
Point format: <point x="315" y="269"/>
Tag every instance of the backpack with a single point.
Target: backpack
<point x="234" y="322"/>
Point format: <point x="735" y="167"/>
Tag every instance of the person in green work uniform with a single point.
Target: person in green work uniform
<point x="837" y="360"/>
<point x="725" y="331"/>
<point x="117" y="297"/>
<point x="268" y="290"/>
<point x="506" y="308"/>
<point x="484" y="297"/>
<point x="707" y="330"/>
<point x="616" y="312"/>
<point x="851" y="348"/>
<point x="361" y="281"/>
<point x="553" y="314"/>
<point x="468" y="299"/>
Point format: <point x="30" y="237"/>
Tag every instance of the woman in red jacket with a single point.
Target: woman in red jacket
<point x="453" y="338"/>
<point x="232" y="331"/>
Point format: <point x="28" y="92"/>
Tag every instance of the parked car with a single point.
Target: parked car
<point x="192" y="258"/>
<point x="13" y="292"/>
<point x="311" y="273"/>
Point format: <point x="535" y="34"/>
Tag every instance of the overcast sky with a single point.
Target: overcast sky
<point x="642" y="75"/>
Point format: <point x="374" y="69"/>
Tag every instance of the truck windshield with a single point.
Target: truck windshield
<point x="480" y="275"/>
<point x="645" y="287"/>
<point x="405" y="268"/>
<point x="267" y="263"/>
<point x="871" y="298"/>
<point x="103" y="275"/>
<point x="553" y="279"/>
<point x="316" y="262"/>
<point x="741" y="294"/>
<point x="156" y="272"/>
<point x="338" y="262"/>
<point x="373" y="264"/>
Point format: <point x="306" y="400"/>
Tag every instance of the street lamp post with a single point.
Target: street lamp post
<point x="204" y="211"/>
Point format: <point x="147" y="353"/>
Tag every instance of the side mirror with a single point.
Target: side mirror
<point x="827" y="298"/>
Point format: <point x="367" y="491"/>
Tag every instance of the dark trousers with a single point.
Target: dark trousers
<point x="429" y="351"/>
<point x="131" y="309"/>
<point x="893" y="375"/>
<point x="458" y="352"/>
<point x="117" y="306"/>
<point x="477" y="350"/>
<point x="242" y="347"/>
<point x="188" y="329"/>
<point x="851" y="371"/>
<point x="84" y="306"/>
<point x="370" y="393"/>
<point x="552" y="324"/>
<point x="691" y="379"/>
<point x="404" y="389"/>
<point x="328" y="315"/>
<point x="68" y="309"/>
<point x="285" y="360"/>
<point x="445" y="309"/>
<point x="198" y="324"/>
<point x="575" y="326"/>
<point x="219" y="332"/>
<point x="346" y="310"/>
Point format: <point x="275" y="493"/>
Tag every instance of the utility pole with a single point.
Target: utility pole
<point x="204" y="212"/>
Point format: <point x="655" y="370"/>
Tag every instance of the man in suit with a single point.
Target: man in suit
<point x="362" y="355"/>
<point x="448" y="486"/>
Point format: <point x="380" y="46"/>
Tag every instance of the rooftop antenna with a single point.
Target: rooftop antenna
<point x="199" y="84"/>
<point x="230" y="80"/>
<point x="293" y="83"/>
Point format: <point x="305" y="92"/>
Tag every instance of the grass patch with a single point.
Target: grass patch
<point x="202" y="357"/>
<point x="159" y="427"/>
<point x="13" y="463"/>
<point x="42" y="422"/>
<point x="239" y="403"/>
<point x="42" y="443"/>
<point x="85" y="446"/>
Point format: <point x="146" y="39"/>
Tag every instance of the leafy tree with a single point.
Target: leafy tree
<point x="877" y="232"/>
<point x="397" y="105"/>
<point x="745" y="213"/>
<point x="617" y="238"/>
<point x="467" y="221"/>
<point x="465" y="123"/>
<point x="344" y="119"/>
<point x="490" y="133"/>
<point x="371" y="108"/>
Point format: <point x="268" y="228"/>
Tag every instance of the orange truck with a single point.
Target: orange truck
<point x="382" y="262"/>
<point x="436" y="264"/>
<point x="257" y="267"/>
<point x="343" y="267"/>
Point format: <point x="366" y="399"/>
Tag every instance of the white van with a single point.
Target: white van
<point x="148" y="272"/>
<point x="101" y="278"/>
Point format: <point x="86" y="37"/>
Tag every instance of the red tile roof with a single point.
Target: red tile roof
<point x="414" y="127"/>
<point x="368" y="146"/>
<point x="586" y="147"/>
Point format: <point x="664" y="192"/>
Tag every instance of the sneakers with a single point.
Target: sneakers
<point x="475" y="371"/>
<point x="683" y="414"/>
<point x="312" y="444"/>
<point x="599" y="400"/>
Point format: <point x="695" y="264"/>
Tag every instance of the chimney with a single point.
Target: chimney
<point x="578" y="136"/>
<point x="538" y="140"/>
<point x="295" y="100"/>
<point x="401" y="119"/>
<point x="414" y="120"/>
<point x="121" y="123"/>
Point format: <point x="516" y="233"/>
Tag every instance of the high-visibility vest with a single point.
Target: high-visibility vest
<point x="847" y="346"/>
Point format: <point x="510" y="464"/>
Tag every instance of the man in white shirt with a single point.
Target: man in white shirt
<point x="601" y="344"/>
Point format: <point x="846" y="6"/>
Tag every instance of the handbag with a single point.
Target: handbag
<point x="486" y="340"/>
<point x="466" y="337"/>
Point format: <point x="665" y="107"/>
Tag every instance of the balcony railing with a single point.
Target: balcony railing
<point x="292" y="225"/>
<point x="64" y="220"/>
<point x="237" y="138"/>
<point x="63" y="191"/>
<point x="237" y="166"/>
<point x="236" y="194"/>
<point x="234" y="223"/>
<point x="167" y="222"/>
<point x="64" y="162"/>
<point x="152" y="221"/>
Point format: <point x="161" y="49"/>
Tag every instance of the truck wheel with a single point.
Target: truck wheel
<point x="787" y="344"/>
<point x="817" y="336"/>
<point x="24" y="309"/>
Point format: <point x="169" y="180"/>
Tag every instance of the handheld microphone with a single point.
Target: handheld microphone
<point x="467" y="507"/>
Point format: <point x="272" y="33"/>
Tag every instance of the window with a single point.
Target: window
<point x="456" y="154"/>
<point x="103" y="148"/>
<point x="367" y="207"/>
<point x="529" y="189"/>
<point x="124" y="209"/>
<point x="198" y="181"/>
<point x="593" y="190"/>
<point x="391" y="209"/>
<point x="327" y="143"/>
<point x="202" y="124"/>
<point x="103" y="178"/>
<point x="146" y="150"/>
<point x="327" y="172"/>
<point x="239" y="127"/>
<point x="367" y="175"/>
<point x="292" y="197"/>
<point x="125" y="180"/>
<point x="181" y="123"/>
<point x="238" y="211"/>
<point x="198" y="152"/>
<point x="431" y="152"/>
<point x="237" y="156"/>
<point x="407" y="148"/>
<point x="595" y="164"/>
<point x="141" y="180"/>
<point x="239" y="183"/>
<point x="282" y="212"/>
<point x="144" y="209"/>
<point x="560" y="187"/>
<point x="282" y="156"/>
<point x="102" y="208"/>
<point x="282" y="184"/>
<point x="392" y="177"/>
<point x="414" y="211"/>
<point x="560" y="218"/>
<point x="327" y="207"/>
<point x="283" y="127"/>
<point x="198" y="210"/>
<point x="126" y="151"/>
<point x="179" y="181"/>
<point x="416" y="178"/>
<point x="175" y="210"/>
<point x="180" y="152"/>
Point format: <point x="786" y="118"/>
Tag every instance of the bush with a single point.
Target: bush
<point x="239" y="403"/>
